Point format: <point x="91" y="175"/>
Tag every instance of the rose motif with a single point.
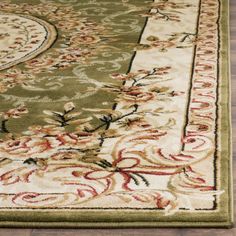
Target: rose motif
<point x="38" y="64"/>
<point x="15" y="112"/>
<point x="71" y="57"/>
<point x="44" y="147"/>
<point x="68" y="24"/>
<point x="25" y="147"/>
<point x="44" y="130"/>
<point x="163" y="45"/>
<point x="84" y="39"/>
<point x="138" y="96"/>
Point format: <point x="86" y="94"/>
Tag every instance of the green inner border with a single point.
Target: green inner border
<point x="142" y="218"/>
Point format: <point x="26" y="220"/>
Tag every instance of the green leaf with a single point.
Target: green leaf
<point x="52" y="113"/>
<point x="73" y="114"/>
<point x="69" y="107"/>
<point x="80" y="121"/>
<point x="152" y="38"/>
<point x="51" y="121"/>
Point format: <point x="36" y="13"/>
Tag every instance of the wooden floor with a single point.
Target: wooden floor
<point x="154" y="232"/>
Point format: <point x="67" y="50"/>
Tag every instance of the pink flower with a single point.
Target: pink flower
<point x="137" y="96"/>
<point x="41" y="131"/>
<point x="68" y="24"/>
<point x="26" y="147"/>
<point x="84" y="39"/>
<point x="40" y="64"/>
<point x="15" y="112"/>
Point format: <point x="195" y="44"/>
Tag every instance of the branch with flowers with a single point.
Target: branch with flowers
<point x="130" y="89"/>
<point x="167" y="10"/>
<point x="175" y="40"/>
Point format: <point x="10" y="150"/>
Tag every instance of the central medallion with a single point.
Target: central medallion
<point x="22" y="38"/>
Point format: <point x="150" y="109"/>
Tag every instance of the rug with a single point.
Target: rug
<point x="115" y="113"/>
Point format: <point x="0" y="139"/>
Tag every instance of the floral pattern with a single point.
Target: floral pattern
<point x="77" y="40"/>
<point x="117" y="155"/>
